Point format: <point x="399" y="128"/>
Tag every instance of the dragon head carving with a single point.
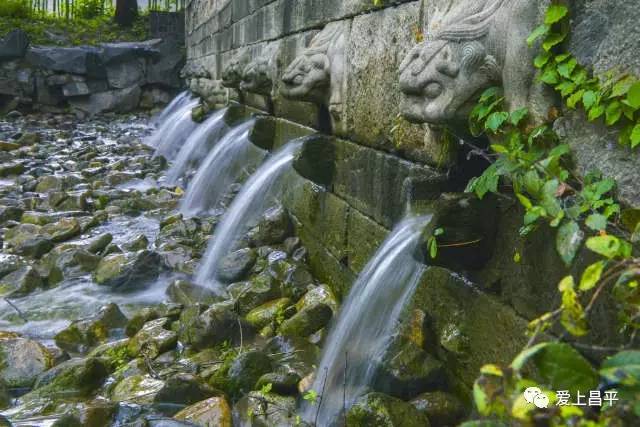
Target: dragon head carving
<point x="232" y="75"/>
<point x="440" y="78"/>
<point x="256" y="77"/>
<point x="307" y="78"/>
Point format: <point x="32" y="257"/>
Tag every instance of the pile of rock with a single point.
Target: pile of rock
<point x="90" y="79"/>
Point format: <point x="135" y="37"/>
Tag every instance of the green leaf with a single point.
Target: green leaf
<point x="542" y="59"/>
<point x="496" y="120"/>
<point x="630" y="219"/>
<point x="614" y="113"/>
<point x="555" y="13"/>
<point x="635" y="136"/>
<point x="560" y="366"/>
<point x="552" y="40"/>
<point x="566" y="88"/>
<point x="550" y="76"/>
<point x="622" y="368"/>
<point x="573" y="100"/>
<point x="607" y="246"/>
<point x="490" y="93"/>
<point x="541" y="31"/>
<point x="591" y="275"/>
<point x="596" y="222"/>
<point x="589" y="98"/>
<point x="518" y="115"/>
<point x="622" y="87"/>
<point x="633" y="96"/>
<point x="524" y="201"/>
<point x="568" y="241"/>
<point x="565" y="69"/>
<point x="596" y="112"/>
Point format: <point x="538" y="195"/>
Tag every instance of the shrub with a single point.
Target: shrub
<point x="15" y="8"/>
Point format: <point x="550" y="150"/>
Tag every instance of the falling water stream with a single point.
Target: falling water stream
<point x="223" y="166"/>
<point x="178" y="102"/>
<point x="173" y="130"/>
<point x="359" y="339"/>
<point x="251" y="202"/>
<point x="197" y="145"/>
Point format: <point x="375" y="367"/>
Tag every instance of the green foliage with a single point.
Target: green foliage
<point x="432" y="242"/>
<point x="614" y="99"/>
<point x="311" y="396"/>
<point x="531" y="161"/>
<point x="52" y="30"/>
<point x="17" y="9"/>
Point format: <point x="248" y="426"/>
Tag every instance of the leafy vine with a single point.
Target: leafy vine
<point x="585" y="214"/>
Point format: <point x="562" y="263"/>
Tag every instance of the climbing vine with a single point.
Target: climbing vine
<point x="532" y="162"/>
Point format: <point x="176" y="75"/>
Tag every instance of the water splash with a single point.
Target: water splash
<point x="197" y="145"/>
<point x="362" y="333"/>
<point x="173" y="130"/>
<point x="229" y="159"/>
<point x="256" y="195"/>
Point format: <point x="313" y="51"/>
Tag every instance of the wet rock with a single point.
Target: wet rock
<point x="293" y="278"/>
<point x="9" y="264"/>
<point x="253" y="293"/>
<point x="170" y="311"/>
<point x="67" y="420"/>
<point x="11" y="168"/>
<point x="73" y="378"/>
<point x="314" y="311"/>
<point x="128" y="271"/>
<point x="247" y="368"/>
<point x="267" y="313"/>
<point x="74" y="60"/>
<point x="63" y="230"/>
<point x="380" y="409"/>
<point x="10" y="213"/>
<point x="293" y="353"/>
<point x="182" y="389"/>
<point x="81" y="335"/>
<point x="259" y="409"/>
<point x="407" y="370"/>
<point x="14" y="45"/>
<point x="121" y="100"/>
<point x="187" y="293"/>
<point x="137" y="389"/>
<point x="236" y="265"/>
<point x="274" y="227"/>
<point x="21" y="282"/>
<point x="29" y="138"/>
<point x="22" y="360"/>
<point x="99" y="243"/>
<point x="283" y="381"/>
<point x="212" y="412"/>
<point x="153" y="339"/>
<point x="442" y="408"/>
<point x="76" y="262"/>
<point x="138" y="243"/>
<point x="215" y="325"/>
<point x="8" y="146"/>
<point x="49" y="183"/>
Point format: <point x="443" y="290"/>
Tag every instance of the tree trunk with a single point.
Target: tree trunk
<point x="126" y="12"/>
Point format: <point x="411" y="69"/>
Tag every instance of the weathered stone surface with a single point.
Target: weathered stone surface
<point x="122" y="75"/>
<point x="73" y="378"/>
<point x="128" y="271"/>
<point x="121" y="100"/>
<point x="75" y="60"/>
<point x="236" y="265"/>
<point x="22" y="360"/>
<point x="84" y="334"/>
<point x="21" y="282"/>
<point x="153" y="339"/>
<point x="440" y="407"/>
<point x="380" y="409"/>
<point x="247" y="368"/>
<point x="212" y="412"/>
<point x="14" y="45"/>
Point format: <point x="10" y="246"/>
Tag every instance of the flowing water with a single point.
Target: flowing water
<point x="196" y="147"/>
<point x="178" y="102"/>
<point x="231" y="157"/>
<point x="251" y="202"/>
<point x="173" y="130"/>
<point x="360" y="337"/>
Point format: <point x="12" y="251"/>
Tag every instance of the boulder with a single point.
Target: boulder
<point x="165" y="70"/>
<point x="75" y="60"/>
<point x="273" y="228"/>
<point x="121" y="75"/>
<point x="236" y="265"/>
<point x="187" y="293"/>
<point x="9" y="264"/>
<point x="118" y="100"/>
<point x="253" y="293"/>
<point x="283" y="381"/>
<point x="378" y="409"/>
<point x="314" y="311"/>
<point x="14" y="45"/>
<point x="21" y="282"/>
<point x="11" y="168"/>
<point x="81" y="335"/>
<point x="153" y="339"/>
<point x="128" y="271"/>
<point x="260" y="409"/>
<point x="137" y="389"/>
<point x="182" y="389"/>
<point x="62" y="230"/>
<point x="267" y="313"/>
<point x="75" y="262"/>
<point x="126" y="51"/>
<point x="22" y="360"/>
<point x="73" y="378"/>
<point x="75" y="89"/>
<point x="214" y="326"/>
<point x="212" y="412"/>
<point x="293" y="354"/>
<point x="246" y="369"/>
<point x="442" y="408"/>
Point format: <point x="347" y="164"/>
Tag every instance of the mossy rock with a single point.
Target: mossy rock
<point x="21" y="282"/>
<point x="247" y="368"/>
<point x="138" y="389"/>
<point x="442" y="408"/>
<point x="259" y="409"/>
<point x="378" y="409"/>
<point x="84" y="334"/>
<point x="75" y="378"/>
<point x="153" y="339"/>
<point x="267" y="313"/>
<point x="212" y="412"/>
<point x="22" y="360"/>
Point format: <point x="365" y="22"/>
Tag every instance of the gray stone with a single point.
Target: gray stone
<point x="236" y="265"/>
<point x="22" y="360"/>
<point x="380" y="409"/>
<point x="122" y="75"/>
<point x="14" y="45"/>
<point x="128" y="271"/>
<point x="120" y="100"/>
<point x="76" y="60"/>
<point x="75" y="89"/>
<point x="84" y="334"/>
<point x="21" y="282"/>
<point x="127" y="51"/>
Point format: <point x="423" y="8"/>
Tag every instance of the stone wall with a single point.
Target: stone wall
<point x="118" y="77"/>
<point x="332" y="65"/>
